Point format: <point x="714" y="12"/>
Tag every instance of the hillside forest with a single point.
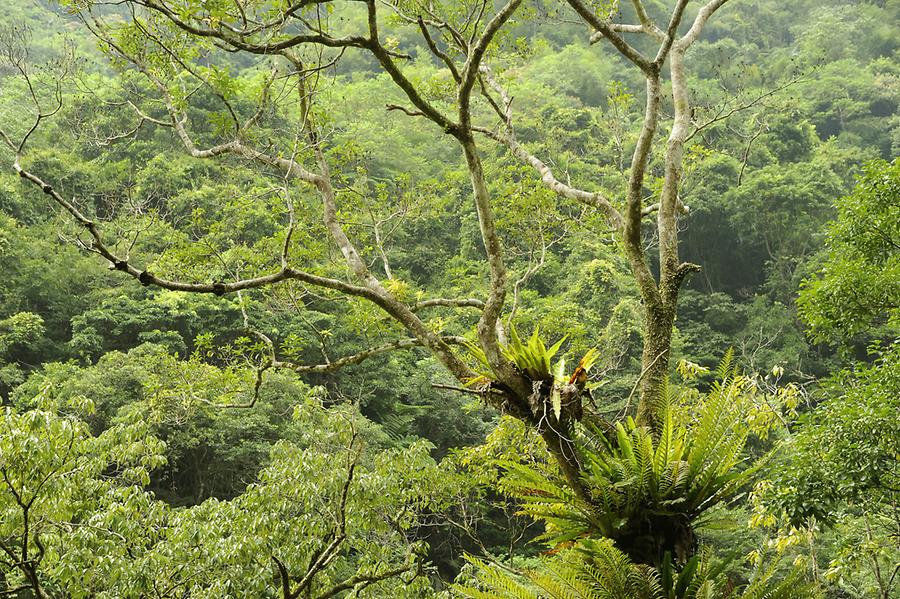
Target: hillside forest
<point x="507" y="299"/>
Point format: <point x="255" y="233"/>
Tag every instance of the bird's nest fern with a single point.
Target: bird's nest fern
<point x="534" y="359"/>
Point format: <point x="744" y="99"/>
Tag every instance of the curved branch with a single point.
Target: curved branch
<point x="642" y="15"/>
<point x="360" y="356"/>
<point x="147" y="278"/>
<point x="388" y="64"/>
<point x="606" y="30"/>
<point x="590" y="198"/>
<point x="237" y="39"/>
<point x="367" y="579"/>
<point x="671" y="32"/>
<point x="633" y="215"/>
<point x="443" y="56"/>
<point x="470" y="71"/>
<point x="449" y="303"/>
<point x="699" y="21"/>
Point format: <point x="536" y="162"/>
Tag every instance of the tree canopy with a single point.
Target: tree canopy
<point x="401" y="298"/>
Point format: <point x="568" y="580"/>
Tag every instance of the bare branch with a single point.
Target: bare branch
<point x="674" y="160"/>
<point x="8" y="141"/>
<point x="404" y="110"/>
<point x="449" y="303"/>
<point x="725" y="113"/>
<point x="671" y="32"/>
<point x="606" y="30"/>
<point x="388" y="64"/>
<point x="590" y="198"/>
<point x="762" y="128"/>
<point x="471" y="69"/>
<point x="633" y="216"/>
<point x="642" y="15"/>
<point x="457" y="388"/>
<point x="361" y="356"/>
<point x="147" y="278"/>
<point x="699" y="21"/>
<point x="445" y="58"/>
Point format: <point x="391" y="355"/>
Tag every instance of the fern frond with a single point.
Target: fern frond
<point x="496" y="583"/>
<point x="725" y="369"/>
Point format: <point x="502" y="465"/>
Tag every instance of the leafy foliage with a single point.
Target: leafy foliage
<point x="859" y="286"/>
<point x="595" y="569"/>
<point x="75" y="512"/>
<point x="846" y="454"/>
<point x="646" y="492"/>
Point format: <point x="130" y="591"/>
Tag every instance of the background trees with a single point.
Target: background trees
<point x="849" y="445"/>
<point x="153" y="46"/>
<point x="402" y="192"/>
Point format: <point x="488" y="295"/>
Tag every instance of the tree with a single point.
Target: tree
<point x="841" y="466"/>
<point x="164" y="47"/>
<point x="331" y="514"/>
<point x="858" y="286"/>
<point x="52" y="473"/>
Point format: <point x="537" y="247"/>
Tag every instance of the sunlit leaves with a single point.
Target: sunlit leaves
<point x="75" y="500"/>
<point x="55" y="475"/>
<point x="859" y="285"/>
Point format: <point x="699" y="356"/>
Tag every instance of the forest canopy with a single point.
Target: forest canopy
<point x="457" y="298"/>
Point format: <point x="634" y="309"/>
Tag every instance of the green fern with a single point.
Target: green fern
<point x="645" y="492"/>
<point x="534" y="357"/>
<point x="596" y="569"/>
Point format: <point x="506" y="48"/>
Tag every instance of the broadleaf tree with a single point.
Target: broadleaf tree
<point x="170" y="55"/>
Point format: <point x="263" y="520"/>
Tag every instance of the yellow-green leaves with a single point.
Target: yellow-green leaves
<point x="533" y="357"/>
<point x="59" y="488"/>
<point x="559" y="377"/>
<point x="76" y="502"/>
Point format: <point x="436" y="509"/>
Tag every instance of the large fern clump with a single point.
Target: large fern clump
<point x="595" y="569"/>
<point x="645" y="491"/>
<point x="630" y="533"/>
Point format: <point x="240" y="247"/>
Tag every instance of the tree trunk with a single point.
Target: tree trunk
<point x="562" y="447"/>
<point x="658" y="324"/>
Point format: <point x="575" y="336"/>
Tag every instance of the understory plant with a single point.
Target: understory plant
<point x="633" y="535"/>
<point x="595" y="569"/>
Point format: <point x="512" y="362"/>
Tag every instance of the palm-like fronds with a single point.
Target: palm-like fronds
<point x="533" y="357"/>
<point x="644" y="491"/>
<point x="763" y="584"/>
<point x="494" y="582"/>
<point x="593" y="570"/>
<point x="596" y="569"/>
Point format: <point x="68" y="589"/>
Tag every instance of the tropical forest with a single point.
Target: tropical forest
<point x="439" y="299"/>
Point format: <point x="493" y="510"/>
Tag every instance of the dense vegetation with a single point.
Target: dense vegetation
<point x="436" y="299"/>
